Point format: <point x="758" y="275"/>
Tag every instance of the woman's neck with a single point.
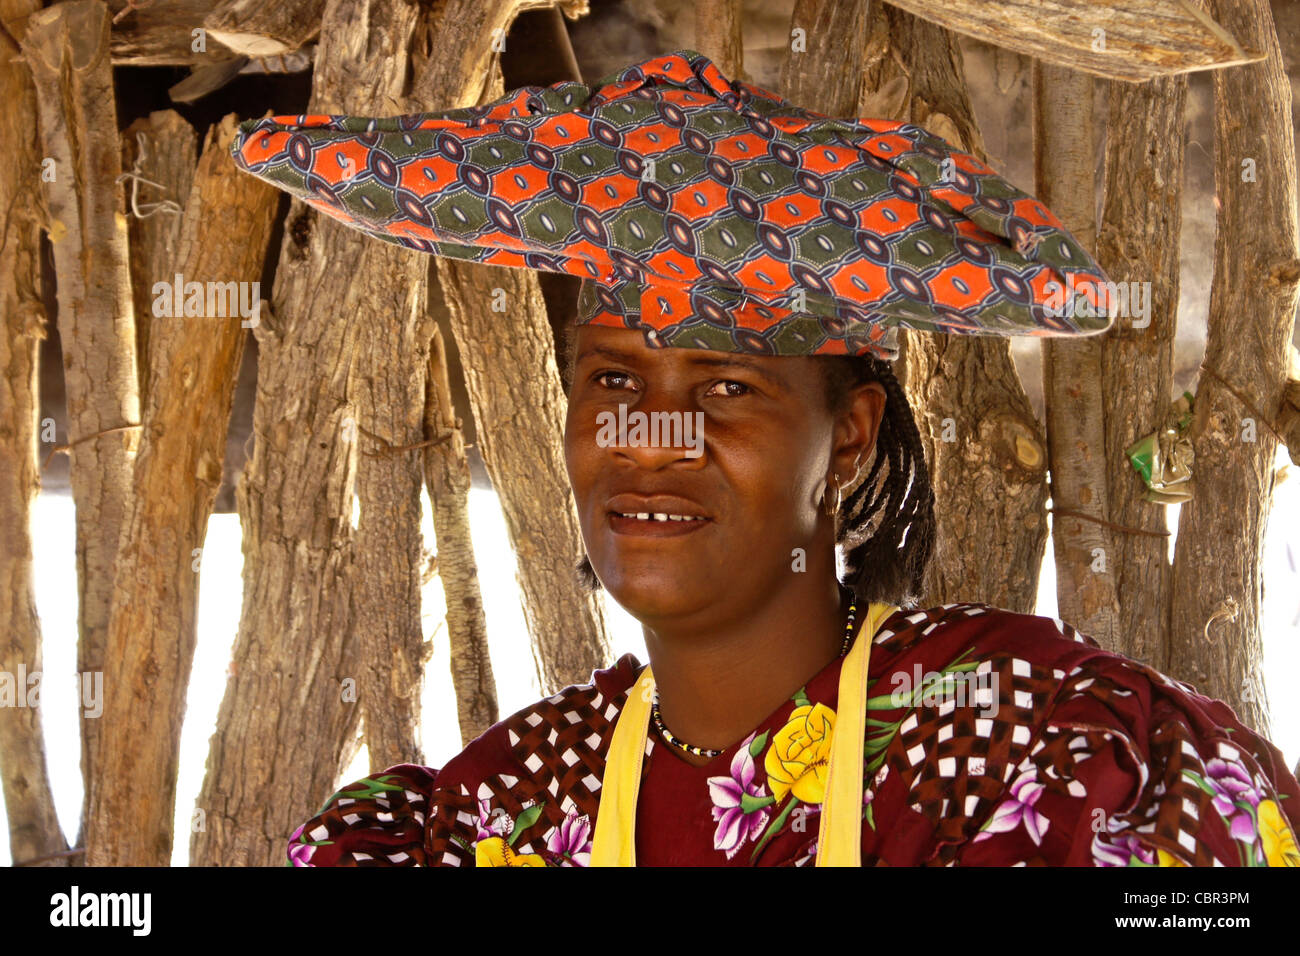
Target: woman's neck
<point x="716" y="686"/>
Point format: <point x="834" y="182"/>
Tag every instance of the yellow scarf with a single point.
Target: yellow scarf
<point x="839" y="841"/>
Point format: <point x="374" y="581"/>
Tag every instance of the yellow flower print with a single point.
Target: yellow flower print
<point x="494" y="851"/>
<point x="1279" y="842"/>
<point x="800" y="752"/>
<point x="1165" y="858"/>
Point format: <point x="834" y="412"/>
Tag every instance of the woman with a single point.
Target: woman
<point x="1057" y="753"/>
<point x="790" y="714"/>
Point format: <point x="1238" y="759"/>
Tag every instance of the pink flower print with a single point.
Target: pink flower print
<point x="300" y="854"/>
<point x="1018" y="808"/>
<point x="1231" y="787"/>
<point x="492" y="823"/>
<point x="735" y="824"/>
<point x="572" y="839"/>
<point x="1125" y="846"/>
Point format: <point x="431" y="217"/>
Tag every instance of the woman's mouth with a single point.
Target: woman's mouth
<point x="655" y="524"/>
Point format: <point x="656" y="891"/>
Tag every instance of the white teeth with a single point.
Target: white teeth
<point x="659" y="516"/>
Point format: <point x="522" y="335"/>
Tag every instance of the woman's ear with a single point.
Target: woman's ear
<point x="863" y="412"/>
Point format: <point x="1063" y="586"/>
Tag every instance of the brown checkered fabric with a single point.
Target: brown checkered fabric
<point x="993" y="738"/>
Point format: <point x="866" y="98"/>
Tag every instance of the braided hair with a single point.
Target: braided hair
<point x="886" y="525"/>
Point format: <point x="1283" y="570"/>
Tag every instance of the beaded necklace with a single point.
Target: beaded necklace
<point x="681" y="745"/>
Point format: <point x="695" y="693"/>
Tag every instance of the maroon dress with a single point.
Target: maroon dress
<point x="993" y="739"/>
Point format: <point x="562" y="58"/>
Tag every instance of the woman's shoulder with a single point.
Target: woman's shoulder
<point x="544" y="727"/>
<point x="497" y="784"/>
<point x="1036" y="646"/>
<point x="1056" y="737"/>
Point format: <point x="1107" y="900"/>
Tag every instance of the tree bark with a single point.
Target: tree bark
<point x="446" y="471"/>
<point x="163" y="33"/>
<point x="1139" y="39"/>
<point x="718" y="35"/>
<point x="288" y="723"/>
<point x="257" y="28"/>
<point x="520" y="425"/>
<point x="1217" y="584"/>
<point x="162" y="148"/>
<point x="519" y="419"/>
<point x="1288" y="416"/>
<point x="152" y="632"/>
<point x="826" y="75"/>
<point x="29" y="804"/>
<point x="986" y="450"/>
<point x="1138" y="243"/>
<point x="66" y="47"/>
<point x="1086" y="589"/>
<point x="388" y="394"/>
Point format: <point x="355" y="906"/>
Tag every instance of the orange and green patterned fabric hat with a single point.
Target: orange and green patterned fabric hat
<point x="707" y="213"/>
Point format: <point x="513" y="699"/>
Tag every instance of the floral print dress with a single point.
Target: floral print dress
<point x="993" y="739"/>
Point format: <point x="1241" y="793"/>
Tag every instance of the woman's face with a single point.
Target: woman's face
<point x="749" y="472"/>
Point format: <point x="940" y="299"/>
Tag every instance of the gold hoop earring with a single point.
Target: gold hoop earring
<point x="832" y="512"/>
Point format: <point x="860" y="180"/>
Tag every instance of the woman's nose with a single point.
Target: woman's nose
<point x="656" y="431"/>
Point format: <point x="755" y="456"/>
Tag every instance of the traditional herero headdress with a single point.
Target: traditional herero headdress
<point x="710" y="214"/>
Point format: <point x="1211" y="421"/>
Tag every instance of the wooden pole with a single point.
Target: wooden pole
<point x="1138" y="247"/>
<point x="519" y="418"/>
<point x="152" y="632"/>
<point x="446" y="471"/>
<point x="66" y="47"/>
<point x="1217" y="590"/>
<point x="986" y="450"/>
<point x="1086" y="587"/>
<point x="317" y="641"/>
<point x="29" y="804"/>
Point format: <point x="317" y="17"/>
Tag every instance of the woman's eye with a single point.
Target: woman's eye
<point x="731" y="387"/>
<point x="616" y="380"/>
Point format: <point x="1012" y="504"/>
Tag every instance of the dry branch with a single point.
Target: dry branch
<point x="1138" y="39"/>
<point x="1086" y="591"/>
<point x="446" y="471"/>
<point x="164" y="33"/>
<point x="718" y="35"/>
<point x="159" y="153"/>
<point x="66" y="47"/>
<point x="29" y="804"/>
<point x="257" y="28"/>
<point x="520" y="417"/>
<point x="1217" y="587"/>
<point x="826" y="72"/>
<point x="986" y="450"/>
<point x="151" y="638"/>
<point x="1137" y="243"/>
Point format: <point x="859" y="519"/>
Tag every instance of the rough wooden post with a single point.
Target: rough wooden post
<point x="257" y="28"/>
<point x="446" y="472"/>
<point x="718" y="35"/>
<point x="1137" y="245"/>
<point x="33" y="825"/>
<point x="307" y="670"/>
<point x="519" y="418"/>
<point x="986" y="450"/>
<point x="822" y="70"/>
<point x="161" y="148"/>
<point x="1217" y="588"/>
<point x="66" y="48"/>
<point x="520" y="423"/>
<point x="1086" y="591"/>
<point x="152" y="632"/>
